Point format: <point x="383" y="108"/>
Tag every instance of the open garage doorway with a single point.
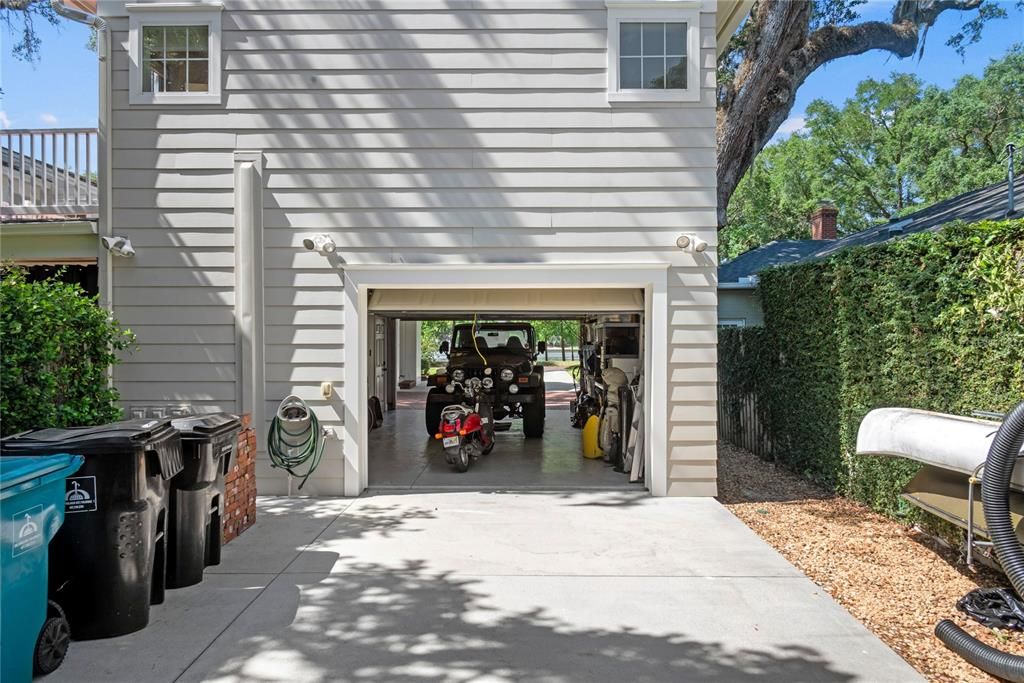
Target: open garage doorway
<point x="528" y="346"/>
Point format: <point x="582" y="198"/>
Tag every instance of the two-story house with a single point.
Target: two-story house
<point x="516" y="157"/>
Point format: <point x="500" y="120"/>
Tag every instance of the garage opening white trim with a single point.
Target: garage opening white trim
<point x="589" y="300"/>
<point x="652" y="279"/>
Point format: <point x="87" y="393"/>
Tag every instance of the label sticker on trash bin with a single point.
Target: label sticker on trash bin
<point x="29" y="526"/>
<point x="80" y="495"/>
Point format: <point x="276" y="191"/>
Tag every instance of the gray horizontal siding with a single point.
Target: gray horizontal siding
<point x="416" y="131"/>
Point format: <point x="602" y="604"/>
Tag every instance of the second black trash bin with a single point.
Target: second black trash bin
<point x="208" y="444"/>
<point x="108" y="561"/>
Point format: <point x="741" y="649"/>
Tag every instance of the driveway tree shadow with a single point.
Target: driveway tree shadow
<point x="382" y="623"/>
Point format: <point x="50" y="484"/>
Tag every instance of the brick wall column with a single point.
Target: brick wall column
<point x="240" y="485"/>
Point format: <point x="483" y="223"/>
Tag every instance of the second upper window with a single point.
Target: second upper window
<point x="654" y="52"/>
<point x="652" y="56"/>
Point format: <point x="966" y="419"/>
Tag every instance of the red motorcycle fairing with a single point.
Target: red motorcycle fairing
<point x="473" y="423"/>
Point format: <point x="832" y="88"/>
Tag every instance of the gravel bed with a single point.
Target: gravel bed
<point x="895" y="579"/>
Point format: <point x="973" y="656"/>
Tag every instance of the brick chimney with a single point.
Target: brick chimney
<point x="823" y="221"/>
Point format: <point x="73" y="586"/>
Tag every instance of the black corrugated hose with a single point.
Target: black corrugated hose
<point x="995" y="499"/>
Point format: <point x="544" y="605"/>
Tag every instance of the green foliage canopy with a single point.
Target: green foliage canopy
<point x="934" y="321"/>
<point x="57" y="348"/>
<point x="894" y="147"/>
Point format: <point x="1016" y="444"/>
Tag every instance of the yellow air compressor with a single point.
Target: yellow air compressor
<point x="590" y="432"/>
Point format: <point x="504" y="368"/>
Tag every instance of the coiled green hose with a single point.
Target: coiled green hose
<point x="290" y="450"/>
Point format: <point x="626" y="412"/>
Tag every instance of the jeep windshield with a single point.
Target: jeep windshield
<point x="507" y="337"/>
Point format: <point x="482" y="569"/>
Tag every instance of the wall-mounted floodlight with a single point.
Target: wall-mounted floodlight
<point x="321" y="244"/>
<point x="691" y="243"/>
<point x="118" y="246"/>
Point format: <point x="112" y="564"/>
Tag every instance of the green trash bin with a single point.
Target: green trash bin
<point x="33" y="633"/>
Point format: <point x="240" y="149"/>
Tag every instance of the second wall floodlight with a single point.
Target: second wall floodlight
<point x="691" y="243"/>
<point x="321" y="244"/>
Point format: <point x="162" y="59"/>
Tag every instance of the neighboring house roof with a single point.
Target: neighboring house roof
<point x="987" y="203"/>
<point x="24" y="179"/>
<point x="748" y="264"/>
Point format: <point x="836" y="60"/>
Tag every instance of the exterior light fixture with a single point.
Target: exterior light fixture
<point x="691" y="243"/>
<point x="321" y="244"/>
<point x="118" y="246"/>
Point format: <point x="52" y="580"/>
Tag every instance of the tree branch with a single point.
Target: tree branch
<point x="780" y="55"/>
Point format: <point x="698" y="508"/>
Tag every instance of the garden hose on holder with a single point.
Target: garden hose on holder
<point x="995" y="493"/>
<point x="295" y="438"/>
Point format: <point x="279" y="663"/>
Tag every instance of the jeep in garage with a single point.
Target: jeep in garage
<point x="503" y="353"/>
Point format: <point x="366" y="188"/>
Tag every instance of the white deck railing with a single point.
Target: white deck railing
<point x="49" y="174"/>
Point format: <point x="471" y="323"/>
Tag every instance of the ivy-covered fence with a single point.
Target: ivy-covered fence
<point x="56" y="347"/>
<point x="933" y="321"/>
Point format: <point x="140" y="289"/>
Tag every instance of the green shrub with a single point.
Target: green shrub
<point x="56" y="346"/>
<point x="933" y="321"/>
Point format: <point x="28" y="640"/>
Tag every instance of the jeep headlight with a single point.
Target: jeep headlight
<point x="488" y="382"/>
<point x="507" y="375"/>
<point x="458" y="375"/>
<point x="513" y="389"/>
<point x="450" y="388"/>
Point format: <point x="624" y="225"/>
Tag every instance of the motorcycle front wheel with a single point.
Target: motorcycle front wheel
<point x="461" y="460"/>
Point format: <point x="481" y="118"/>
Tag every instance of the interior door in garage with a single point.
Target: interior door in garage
<point x="379" y="360"/>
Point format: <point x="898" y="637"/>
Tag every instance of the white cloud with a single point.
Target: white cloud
<point x="4" y="121"/>
<point x="794" y="124"/>
<point x="48" y="118"/>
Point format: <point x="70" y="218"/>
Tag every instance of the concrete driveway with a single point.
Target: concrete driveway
<point x="460" y="586"/>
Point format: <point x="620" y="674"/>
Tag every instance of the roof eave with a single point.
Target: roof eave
<point x="730" y="14"/>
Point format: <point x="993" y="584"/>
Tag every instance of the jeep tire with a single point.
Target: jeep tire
<point x="533" y="415"/>
<point x="433" y="411"/>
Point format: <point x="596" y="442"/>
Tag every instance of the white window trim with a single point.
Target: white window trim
<point x="687" y="11"/>
<point x="173" y="14"/>
<point x="732" y="322"/>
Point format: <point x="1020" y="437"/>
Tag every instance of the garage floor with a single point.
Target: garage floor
<point x="402" y="456"/>
<point x="475" y="586"/>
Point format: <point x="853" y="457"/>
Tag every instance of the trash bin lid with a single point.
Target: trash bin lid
<point x="16" y="471"/>
<point x="207" y="425"/>
<point x="113" y="437"/>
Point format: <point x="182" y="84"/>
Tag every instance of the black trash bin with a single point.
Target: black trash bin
<point x="108" y="561"/>
<point x="208" y="444"/>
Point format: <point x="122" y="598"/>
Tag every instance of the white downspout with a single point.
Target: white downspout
<point x="103" y="143"/>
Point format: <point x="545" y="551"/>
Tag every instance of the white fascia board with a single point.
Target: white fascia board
<point x="120" y="8"/>
<point x="653" y="4"/>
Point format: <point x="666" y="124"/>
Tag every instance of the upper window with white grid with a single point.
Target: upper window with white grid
<point x="654" y="51"/>
<point x="174" y="52"/>
<point x="175" y="59"/>
<point x="652" y="55"/>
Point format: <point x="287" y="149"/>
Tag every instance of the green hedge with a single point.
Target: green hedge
<point x="56" y="346"/>
<point x="933" y="321"/>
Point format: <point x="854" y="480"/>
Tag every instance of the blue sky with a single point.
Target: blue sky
<point x="60" y="90"/>
<point x="941" y="65"/>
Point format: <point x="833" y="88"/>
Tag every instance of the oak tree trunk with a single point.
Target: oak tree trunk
<point x="779" y="51"/>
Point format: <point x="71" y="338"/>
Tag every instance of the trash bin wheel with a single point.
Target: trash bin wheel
<point x="53" y="641"/>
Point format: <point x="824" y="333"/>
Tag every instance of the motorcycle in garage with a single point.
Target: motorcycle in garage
<point x="465" y="432"/>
